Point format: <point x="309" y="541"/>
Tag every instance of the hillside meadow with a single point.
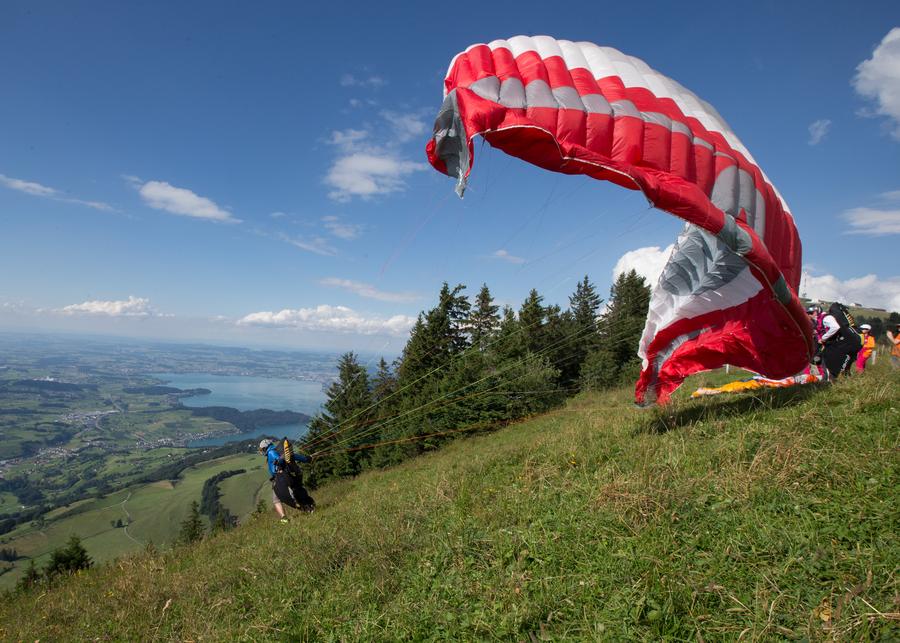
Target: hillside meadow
<point x="752" y="517"/>
<point x="150" y="513"/>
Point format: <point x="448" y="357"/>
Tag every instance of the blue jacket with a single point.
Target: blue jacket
<point x="275" y="459"/>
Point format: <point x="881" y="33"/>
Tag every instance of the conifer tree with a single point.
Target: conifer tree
<point x="561" y="341"/>
<point x="584" y="305"/>
<point x="531" y="320"/>
<point x="414" y="360"/>
<point x="192" y="528"/>
<point x="31" y="577"/>
<point x="620" y="333"/>
<point x="224" y="521"/>
<point x="383" y="384"/>
<point x="457" y="308"/>
<point x="436" y="338"/>
<point x="510" y="342"/>
<point x="71" y="558"/>
<point x="345" y="415"/>
<point x="484" y="320"/>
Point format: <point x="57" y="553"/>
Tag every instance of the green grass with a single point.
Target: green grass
<point x="8" y="502"/>
<point x="155" y="512"/>
<point x="754" y="517"/>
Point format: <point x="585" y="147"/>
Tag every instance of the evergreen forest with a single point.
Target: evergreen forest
<point x="469" y="366"/>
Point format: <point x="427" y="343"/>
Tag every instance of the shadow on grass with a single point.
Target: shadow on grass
<point x="665" y="419"/>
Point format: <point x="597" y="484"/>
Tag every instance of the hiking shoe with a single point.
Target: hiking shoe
<point x="283" y="521"/>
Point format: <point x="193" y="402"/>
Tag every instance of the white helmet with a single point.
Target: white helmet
<point x="865" y="327"/>
<point x="265" y="444"/>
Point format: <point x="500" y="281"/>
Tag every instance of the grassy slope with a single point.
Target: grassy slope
<point x="761" y="516"/>
<point x="156" y="511"/>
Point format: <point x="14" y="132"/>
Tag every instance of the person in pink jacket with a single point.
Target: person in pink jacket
<point x="816" y="315"/>
<point x="868" y="345"/>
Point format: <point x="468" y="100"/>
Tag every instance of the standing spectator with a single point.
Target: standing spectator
<point x="894" y="340"/>
<point x="868" y="345"/>
<point x="816" y="315"/>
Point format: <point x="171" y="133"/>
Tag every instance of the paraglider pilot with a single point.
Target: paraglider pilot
<point x="284" y="474"/>
<point x="840" y="342"/>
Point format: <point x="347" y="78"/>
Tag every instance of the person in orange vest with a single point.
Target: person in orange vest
<point x="868" y="345"/>
<point x="894" y="340"/>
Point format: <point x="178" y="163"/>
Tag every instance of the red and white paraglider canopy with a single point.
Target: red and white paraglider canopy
<point x="728" y="292"/>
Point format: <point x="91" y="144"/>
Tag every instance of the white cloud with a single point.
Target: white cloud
<point x="330" y="318"/>
<point x="163" y="196"/>
<point x="36" y="189"/>
<point x="349" y="80"/>
<point x="369" y="291"/>
<point x="648" y="262"/>
<point x="893" y="195"/>
<point x="878" y="79"/>
<point x="505" y="256"/>
<point x="370" y="163"/>
<point x="316" y="245"/>
<point x="15" y="307"/>
<point x="873" y="221"/>
<point x="346" y="231"/>
<point x="868" y="290"/>
<point x="278" y="215"/>
<point x="368" y="174"/>
<point x="818" y="130"/>
<point x="131" y="307"/>
<point x="348" y="138"/>
<point x="406" y="126"/>
<point x="28" y="187"/>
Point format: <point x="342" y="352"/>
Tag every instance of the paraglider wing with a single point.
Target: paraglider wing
<point x="728" y="292"/>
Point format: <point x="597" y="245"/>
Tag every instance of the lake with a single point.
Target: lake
<point x="248" y="393"/>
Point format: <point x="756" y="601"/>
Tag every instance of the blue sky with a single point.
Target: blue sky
<point x="256" y="174"/>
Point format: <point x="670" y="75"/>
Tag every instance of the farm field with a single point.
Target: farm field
<point x="149" y="513"/>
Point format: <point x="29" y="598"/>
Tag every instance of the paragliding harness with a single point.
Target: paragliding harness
<point x="845" y="320"/>
<point x="287" y="483"/>
<point x="840" y="350"/>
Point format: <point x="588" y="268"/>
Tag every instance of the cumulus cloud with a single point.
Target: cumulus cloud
<point x="131" y="307"/>
<point x="878" y="79"/>
<point x="330" y="318"/>
<point x="346" y="231"/>
<point x="505" y="256"/>
<point x="370" y="162"/>
<point x="161" y="195"/>
<point x="351" y="80"/>
<point x="36" y="189"/>
<point x="369" y="291"/>
<point x="818" y="130"/>
<point x="648" y="262"/>
<point x="367" y="174"/>
<point x="869" y="290"/>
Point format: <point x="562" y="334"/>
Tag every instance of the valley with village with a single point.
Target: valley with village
<point x="93" y="438"/>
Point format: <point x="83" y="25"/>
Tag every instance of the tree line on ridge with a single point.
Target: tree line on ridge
<point x="469" y="366"/>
